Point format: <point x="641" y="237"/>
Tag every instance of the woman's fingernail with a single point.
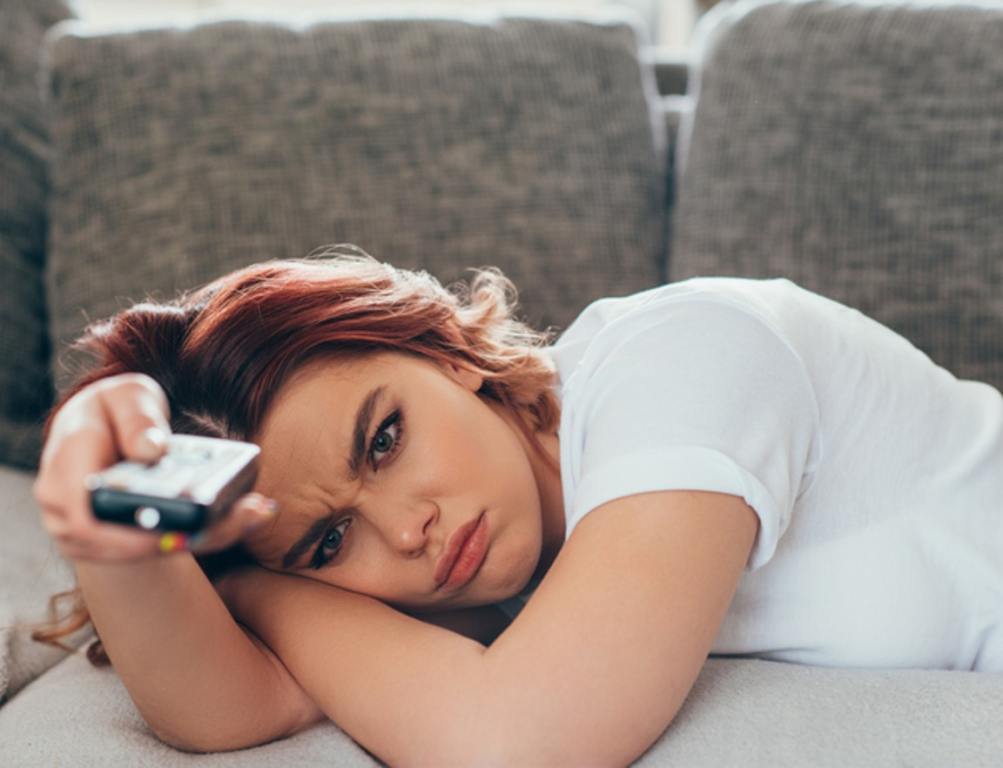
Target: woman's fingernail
<point x="153" y="440"/>
<point x="173" y="542"/>
<point x="264" y="513"/>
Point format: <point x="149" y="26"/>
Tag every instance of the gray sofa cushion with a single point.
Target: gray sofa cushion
<point x="439" y="144"/>
<point x="25" y="385"/>
<point x="741" y="712"/>
<point x="856" y="149"/>
<point x="31" y="569"/>
<point x="82" y="716"/>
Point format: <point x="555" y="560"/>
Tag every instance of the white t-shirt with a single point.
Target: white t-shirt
<point x="877" y="476"/>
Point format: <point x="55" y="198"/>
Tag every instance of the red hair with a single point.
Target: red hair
<point x="222" y="352"/>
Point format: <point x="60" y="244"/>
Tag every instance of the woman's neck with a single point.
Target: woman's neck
<point x="548" y="484"/>
<point x="551" y="502"/>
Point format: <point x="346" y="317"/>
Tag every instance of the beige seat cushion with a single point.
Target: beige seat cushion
<point x="741" y="712"/>
<point x="31" y="569"/>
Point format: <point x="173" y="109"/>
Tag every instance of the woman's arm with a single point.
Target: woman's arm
<point x="592" y="670"/>
<point x="201" y="682"/>
<point x="199" y="679"/>
<point x="483" y="623"/>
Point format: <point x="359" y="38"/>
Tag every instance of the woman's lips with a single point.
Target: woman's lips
<point x="464" y="553"/>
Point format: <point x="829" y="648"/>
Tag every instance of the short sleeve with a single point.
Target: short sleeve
<point x="697" y="395"/>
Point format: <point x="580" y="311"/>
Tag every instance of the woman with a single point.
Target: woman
<point x="490" y="548"/>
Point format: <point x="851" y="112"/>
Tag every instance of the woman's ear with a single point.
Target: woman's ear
<point x="469" y="379"/>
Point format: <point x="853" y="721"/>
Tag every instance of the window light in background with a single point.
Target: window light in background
<point x="670" y="21"/>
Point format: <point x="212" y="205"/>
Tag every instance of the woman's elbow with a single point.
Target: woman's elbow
<point x="555" y="744"/>
<point x="218" y="741"/>
<point x="174" y="741"/>
<point x="217" y="737"/>
<point x="550" y="754"/>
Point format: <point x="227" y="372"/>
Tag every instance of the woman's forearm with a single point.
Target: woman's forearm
<point x="408" y="691"/>
<point x="196" y="676"/>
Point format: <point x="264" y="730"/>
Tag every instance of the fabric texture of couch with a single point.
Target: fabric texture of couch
<point x="25" y="383"/>
<point x="853" y="147"/>
<point x="857" y="149"/>
<point x="184" y="154"/>
<point x="740" y="712"/>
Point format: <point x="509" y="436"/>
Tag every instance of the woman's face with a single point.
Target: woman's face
<point x="432" y="456"/>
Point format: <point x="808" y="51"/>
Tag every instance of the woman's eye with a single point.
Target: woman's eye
<point x="330" y="545"/>
<point x="384" y="442"/>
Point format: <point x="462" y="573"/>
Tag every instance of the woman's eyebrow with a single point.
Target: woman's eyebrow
<point x="363" y="418"/>
<point x="314" y="532"/>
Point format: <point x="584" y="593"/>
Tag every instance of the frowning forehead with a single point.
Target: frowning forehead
<point x="303" y="479"/>
<point x="320" y="421"/>
<point x="314" y="443"/>
<point x="271" y="546"/>
<point x="319" y="523"/>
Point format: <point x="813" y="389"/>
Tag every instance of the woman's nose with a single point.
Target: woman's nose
<point x="411" y="530"/>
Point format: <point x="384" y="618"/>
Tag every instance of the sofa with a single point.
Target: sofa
<point x="853" y="147"/>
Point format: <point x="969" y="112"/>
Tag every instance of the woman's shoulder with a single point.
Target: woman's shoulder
<point x="714" y="317"/>
<point x="767" y="301"/>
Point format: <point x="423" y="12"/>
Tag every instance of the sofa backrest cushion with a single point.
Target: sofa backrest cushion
<point x="856" y="149"/>
<point x="25" y="384"/>
<point x="439" y="144"/>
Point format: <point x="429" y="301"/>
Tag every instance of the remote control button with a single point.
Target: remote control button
<point x="148" y="517"/>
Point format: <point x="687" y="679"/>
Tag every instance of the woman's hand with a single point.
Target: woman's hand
<point x="119" y="417"/>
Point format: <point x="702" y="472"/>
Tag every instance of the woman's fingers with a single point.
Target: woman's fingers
<point x="120" y="417"/>
<point x="249" y="513"/>
<point x="100" y="425"/>
<point x="70" y="521"/>
<point x="138" y="412"/>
